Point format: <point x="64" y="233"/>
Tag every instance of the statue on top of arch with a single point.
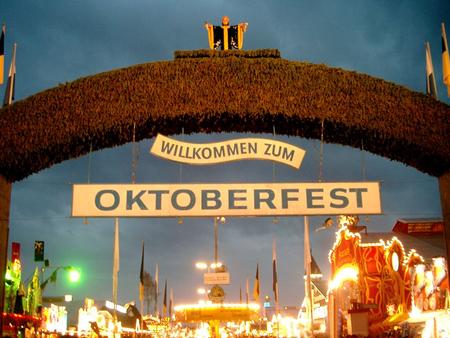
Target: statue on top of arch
<point x="226" y="37"/>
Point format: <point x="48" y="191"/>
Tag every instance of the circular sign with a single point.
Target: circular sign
<point x="217" y="294"/>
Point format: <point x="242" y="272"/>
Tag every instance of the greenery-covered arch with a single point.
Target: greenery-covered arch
<point x="207" y="91"/>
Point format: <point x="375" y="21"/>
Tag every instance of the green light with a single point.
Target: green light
<point x="8" y="275"/>
<point x="74" y="275"/>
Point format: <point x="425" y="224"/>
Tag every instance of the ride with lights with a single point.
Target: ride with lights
<point x="382" y="282"/>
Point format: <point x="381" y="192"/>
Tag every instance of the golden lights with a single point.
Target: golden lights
<point x="214" y="306"/>
<point x="344" y="274"/>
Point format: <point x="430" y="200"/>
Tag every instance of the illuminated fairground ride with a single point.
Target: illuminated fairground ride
<point x="376" y="285"/>
<point x="215" y="313"/>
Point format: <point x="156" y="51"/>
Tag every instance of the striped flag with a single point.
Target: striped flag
<point x="431" y="81"/>
<point x="274" y="272"/>
<point x="165" y="299"/>
<point x="156" y="290"/>
<point x="445" y="60"/>
<point x="11" y="84"/>
<point x="256" y="285"/>
<point x="307" y="266"/>
<point x="2" y="54"/>
<point x="116" y="262"/>
<point x="246" y="291"/>
<point x="141" y="276"/>
<point x="170" y="303"/>
<point x="307" y="248"/>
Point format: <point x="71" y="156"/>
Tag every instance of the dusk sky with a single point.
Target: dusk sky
<point x="59" y="41"/>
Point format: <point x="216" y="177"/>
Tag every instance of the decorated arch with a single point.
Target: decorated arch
<point x="209" y="91"/>
<point x="224" y="91"/>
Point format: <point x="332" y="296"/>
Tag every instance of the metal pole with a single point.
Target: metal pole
<point x="308" y="290"/>
<point x="444" y="188"/>
<point x="5" y="200"/>
<point x="215" y="242"/>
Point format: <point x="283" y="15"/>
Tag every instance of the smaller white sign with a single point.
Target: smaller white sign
<point x="216" y="278"/>
<point x="226" y="151"/>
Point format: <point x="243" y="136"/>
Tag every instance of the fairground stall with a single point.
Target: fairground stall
<point x="22" y="306"/>
<point x="388" y="281"/>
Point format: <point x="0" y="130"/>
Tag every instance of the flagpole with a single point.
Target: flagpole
<point x="170" y="303"/>
<point x="156" y="291"/>
<point x="246" y="291"/>
<point x="2" y="53"/>
<point x="307" y="259"/>
<point x="165" y="300"/>
<point x="10" y="86"/>
<point x="275" y="283"/>
<point x="445" y="60"/>
<point x="141" y="285"/>
<point x="256" y="285"/>
<point x="116" y="267"/>
<point x="431" y="80"/>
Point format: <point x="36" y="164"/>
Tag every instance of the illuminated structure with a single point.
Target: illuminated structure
<point x="214" y="313"/>
<point x="379" y="278"/>
<point x="319" y="288"/>
<point x="20" y="312"/>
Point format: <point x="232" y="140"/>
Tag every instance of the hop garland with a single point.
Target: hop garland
<point x="224" y="91"/>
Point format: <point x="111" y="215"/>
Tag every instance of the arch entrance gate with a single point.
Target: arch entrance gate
<point x="230" y="91"/>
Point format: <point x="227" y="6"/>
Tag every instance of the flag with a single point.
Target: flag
<point x="34" y="294"/>
<point x="141" y="276"/>
<point x="274" y="272"/>
<point x="256" y="285"/>
<point x="15" y="251"/>
<point x="170" y="303"/>
<point x="240" y="294"/>
<point x="2" y="54"/>
<point x="431" y="81"/>
<point x="307" y="248"/>
<point x="156" y="290"/>
<point x="445" y="60"/>
<point x="116" y="263"/>
<point x="246" y="291"/>
<point x="39" y="248"/>
<point x="165" y="299"/>
<point x="11" y="84"/>
<point x="307" y="266"/>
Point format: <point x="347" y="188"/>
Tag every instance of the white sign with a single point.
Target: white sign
<point x="232" y="150"/>
<point x="216" y="278"/>
<point x="218" y="199"/>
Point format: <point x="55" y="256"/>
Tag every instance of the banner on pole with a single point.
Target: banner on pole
<point x="15" y="251"/>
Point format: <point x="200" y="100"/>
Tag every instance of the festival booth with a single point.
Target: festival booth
<point x="22" y="305"/>
<point x="104" y="318"/>
<point x="383" y="280"/>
